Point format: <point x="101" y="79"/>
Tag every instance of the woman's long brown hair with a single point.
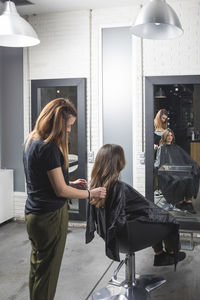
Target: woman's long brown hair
<point x="157" y="121"/>
<point x="51" y="125"/>
<point x="109" y="162"/>
<point x="163" y="140"/>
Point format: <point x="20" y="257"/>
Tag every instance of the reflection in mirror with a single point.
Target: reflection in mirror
<point x="177" y="148"/>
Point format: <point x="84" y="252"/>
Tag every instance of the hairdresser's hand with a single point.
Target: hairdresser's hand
<point x="98" y="193"/>
<point x="79" y="183"/>
<point x="155" y="147"/>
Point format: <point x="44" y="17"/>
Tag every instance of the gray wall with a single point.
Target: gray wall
<point x="12" y="133"/>
<point x="0" y="99"/>
<point x="117" y="100"/>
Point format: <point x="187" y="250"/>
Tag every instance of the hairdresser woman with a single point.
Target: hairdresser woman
<point x="45" y="161"/>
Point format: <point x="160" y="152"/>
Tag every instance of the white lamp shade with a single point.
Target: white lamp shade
<point x="157" y="20"/>
<point x="14" y="30"/>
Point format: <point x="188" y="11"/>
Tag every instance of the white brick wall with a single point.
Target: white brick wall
<point x="64" y="48"/>
<point x="179" y="56"/>
<point x="64" y="52"/>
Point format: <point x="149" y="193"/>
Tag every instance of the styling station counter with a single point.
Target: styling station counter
<point x="6" y="195"/>
<point x="195" y="150"/>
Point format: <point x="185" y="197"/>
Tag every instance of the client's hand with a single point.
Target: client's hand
<point x="79" y="183"/>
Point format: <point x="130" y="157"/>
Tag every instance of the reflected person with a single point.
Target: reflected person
<point x="180" y="185"/>
<point x="160" y="124"/>
<point x="45" y="161"/>
<point x="124" y="204"/>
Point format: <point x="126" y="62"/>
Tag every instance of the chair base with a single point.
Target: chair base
<point x="139" y="290"/>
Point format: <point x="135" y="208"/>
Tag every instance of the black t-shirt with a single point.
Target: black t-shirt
<point x="157" y="139"/>
<point x="39" y="158"/>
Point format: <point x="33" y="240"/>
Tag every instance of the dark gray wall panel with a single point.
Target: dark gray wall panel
<point x="12" y="114"/>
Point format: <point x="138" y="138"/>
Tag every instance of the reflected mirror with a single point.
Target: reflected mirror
<point x="173" y="146"/>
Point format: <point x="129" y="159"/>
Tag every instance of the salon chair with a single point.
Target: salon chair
<point x="175" y="182"/>
<point x="130" y="287"/>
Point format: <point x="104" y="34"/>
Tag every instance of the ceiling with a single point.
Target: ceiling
<point x="49" y="6"/>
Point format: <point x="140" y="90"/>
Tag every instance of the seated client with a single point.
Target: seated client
<point x="178" y="173"/>
<point x="124" y="204"/>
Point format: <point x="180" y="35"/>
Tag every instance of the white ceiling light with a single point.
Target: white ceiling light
<point x="14" y="30"/>
<point x="158" y="21"/>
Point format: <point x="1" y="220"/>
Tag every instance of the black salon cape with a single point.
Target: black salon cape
<point x="176" y="186"/>
<point x="123" y="204"/>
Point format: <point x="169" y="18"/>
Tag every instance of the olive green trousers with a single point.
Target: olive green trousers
<point x="47" y="233"/>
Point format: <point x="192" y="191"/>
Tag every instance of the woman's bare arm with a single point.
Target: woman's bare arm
<point x="61" y="189"/>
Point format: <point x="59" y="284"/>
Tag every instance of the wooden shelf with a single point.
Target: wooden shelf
<point x="195" y="151"/>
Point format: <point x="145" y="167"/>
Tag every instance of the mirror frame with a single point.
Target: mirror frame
<point x="80" y="83"/>
<point x="150" y="81"/>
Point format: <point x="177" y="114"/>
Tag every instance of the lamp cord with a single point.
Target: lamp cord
<point x="142" y="83"/>
<point x="90" y="115"/>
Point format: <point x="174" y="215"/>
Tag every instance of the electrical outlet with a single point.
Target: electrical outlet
<point x="142" y="161"/>
<point x="91" y="156"/>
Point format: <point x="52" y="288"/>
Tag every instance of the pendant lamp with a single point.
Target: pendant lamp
<point x="15" y="31"/>
<point x="160" y="94"/>
<point x="158" y="21"/>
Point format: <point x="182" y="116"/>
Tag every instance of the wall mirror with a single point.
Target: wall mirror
<point x="172" y="175"/>
<point x="42" y="91"/>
